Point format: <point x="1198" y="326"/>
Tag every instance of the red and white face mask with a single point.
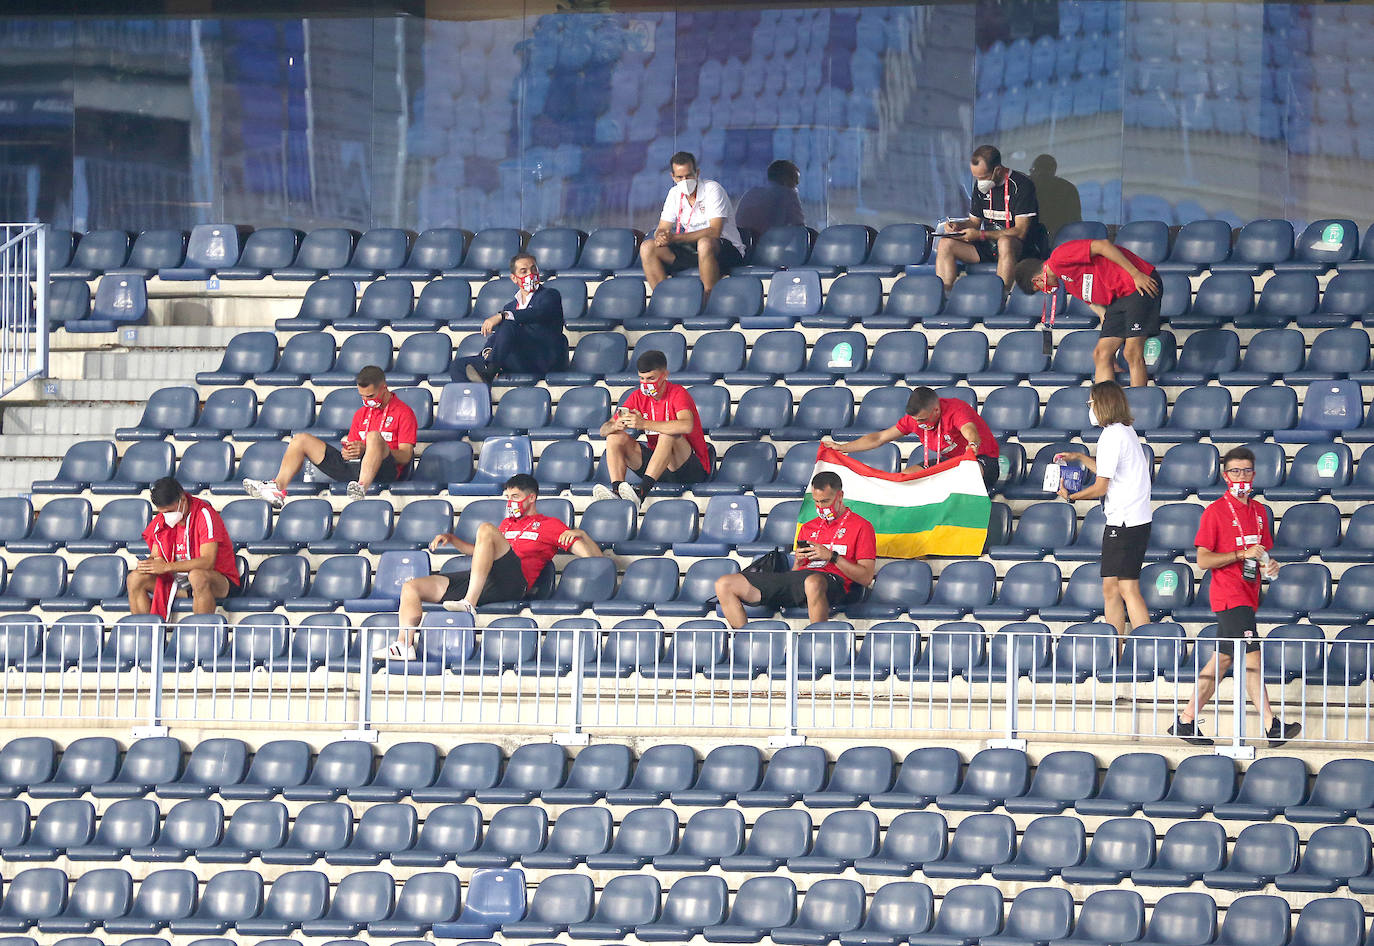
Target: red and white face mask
<point x="651" y="388"/>
<point x="529" y="282"/>
<point x="515" y="508"/>
<point x="1239" y="488"/>
<point x="827" y="513"/>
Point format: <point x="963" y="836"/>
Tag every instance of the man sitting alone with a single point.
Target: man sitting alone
<point x="834" y="551"/>
<point x="506" y="562"/>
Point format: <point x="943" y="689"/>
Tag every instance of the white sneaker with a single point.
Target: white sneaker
<point x="355" y="491"/>
<point x="396" y="651"/>
<point x="629" y="492"/>
<point x="266" y="490"/>
<point x="602" y="491"/>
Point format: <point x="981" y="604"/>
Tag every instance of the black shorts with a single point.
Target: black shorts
<point x="1133" y="316"/>
<point x="788" y="589"/>
<point x="690" y="472"/>
<point x="505" y="582"/>
<point x="340" y="470"/>
<point x="1123" y="550"/>
<point x="1239" y="623"/>
<point x="685" y="256"/>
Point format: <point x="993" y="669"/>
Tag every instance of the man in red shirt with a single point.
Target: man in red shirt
<point x="1233" y="539"/>
<point x="190" y="552"/>
<point x="506" y="561"/>
<point x="947" y="427"/>
<point x="834" y="551"/>
<point x="676" y="451"/>
<point x="378" y="446"/>
<point x="1116" y="284"/>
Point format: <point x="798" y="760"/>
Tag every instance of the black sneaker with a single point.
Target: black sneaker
<point x="1189" y="733"/>
<point x="481" y="372"/>
<point x="1280" y="732"/>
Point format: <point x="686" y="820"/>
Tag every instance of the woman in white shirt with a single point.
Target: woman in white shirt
<point x="1123" y="483"/>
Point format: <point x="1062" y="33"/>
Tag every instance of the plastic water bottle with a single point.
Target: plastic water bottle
<point x="215" y="248"/>
<point x="308" y="472"/>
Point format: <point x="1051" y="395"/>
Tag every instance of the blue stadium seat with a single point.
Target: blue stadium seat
<point x="643" y="834"/>
<point x="895" y="247"/>
<point x="211" y="247"/>
<point x="792" y="772"/>
<point x="792" y="296"/>
<point x="973" y="299"/>
<point x="1263" y="411"/>
<point x="993" y="775"/>
<point x="500" y="459"/>
<point x="1198" y="245"/>
<point x="784" y="247"/>
<point x="963" y="586"/>
<point x="378" y="251"/>
<point x="1346" y="295"/>
<point x="247" y="355"/>
<point x="530" y="770"/>
<point x="432" y="252"/>
<point x="357" y="351"/>
<point x="322" y="250"/>
<point x="854" y="297"/>
<point x="1189" y="850"/>
<point x="1342" y="787"/>
<point x="693" y="903"/>
<point x="59" y="827"/>
<point x="607" y="250"/>
<point x="512" y="833"/>
<point x="467" y="769"/>
<point x="775" y="355"/>
<point x="1148" y="239"/>
<point x="426" y="899"/>
<point x="955" y="357"/>
<point x="1330" y="408"/>
<point x="126" y="824"/>
<point x="1351" y="603"/>
<point x="1132" y="780"/>
<point x="760" y="409"/>
<point x="894" y="355"/>
<point x="820" y="411"/>
<point x="69" y="301"/>
<point x="1271" y="355"/>
<point x="626" y="901"/>
<point x="924" y="774"/>
<point x="228" y="897"/>
<point x="98" y="251"/>
<point x="597" y="355"/>
<point x="1199" y="784"/>
<point x="1286" y="297"/>
<point x="294" y="898"/>
<point x="326" y="302"/>
<point x="556" y="249"/>
<point x="1026" y="588"/>
<point x="709" y="835"/>
<point x="1260" y="853"/>
<point x="1182" y="918"/>
<point x="1333" y="857"/>
<point x="912" y="299"/>
<point x="1222" y="298"/>
<point x="302" y="358"/>
<point x="265" y="251"/>
<point x="578" y="833"/>
<point x="840" y="246"/>
<point x="830" y="907"/>
<point x="732" y="299"/>
<point x="1048" y="845"/>
<point x="1260" y="245"/>
<point x="95" y="897"/>
<point x="32" y="579"/>
<point x="493" y="899"/>
<point x="953" y="647"/>
<point x="1119" y="847"/>
<point x="1185" y="469"/>
<point x="969" y="912"/>
<point x="673" y="302"/>
<point x="85" y="463"/>
<point x="1208" y="353"/>
<point x="1018" y="355"/>
<point x="152" y="251"/>
<point x="359" y="899"/>
<point x="725" y="772"/>
<point x="441" y="302"/>
<point x="662" y="770"/>
<point x="384" y="303"/>
<point x="761" y="905"/>
<point x="1061" y="779"/>
<point x="1041" y="528"/>
<point x="59" y="521"/>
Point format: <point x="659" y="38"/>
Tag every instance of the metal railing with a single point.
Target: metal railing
<point x="23" y="304"/>
<point x="958" y="680"/>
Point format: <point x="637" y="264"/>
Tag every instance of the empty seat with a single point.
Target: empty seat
<point x="1334" y="856"/>
<point x="967" y="913"/>
<point x="913" y="839"/>
<point x="512" y="833"/>
<point x="85" y="763"/>
<point x="228" y="897"/>
<point x="708" y="836"/>
<point x="830" y="907"/>
<point x="1189" y="850"/>
<point x="360" y="898"/>
<point x="662" y="770"/>
<point x="578" y="833"/>
<point x="1036" y="915"/>
<point x="1119" y="846"/>
<point x="725" y="772"/>
<point x="96" y="896"/>
<point x="761" y="905"/>
<point x="163" y="897"/>
<point x="426" y="899"/>
<point x="1260" y="853"/>
<point x="434" y="250"/>
<point x="1133" y="779"/>
<point x="643" y="834"/>
<point x="979" y="843"/>
<point x="322" y="250"/>
<point x="266" y="249"/>
<point x="295" y="897"/>
<point x="1342" y="787"/>
<point x="692" y="904"/>
<point x="993" y="775"/>
<point x="1182" y="918"/>
<point x="1199" y="784"/>
<point x="448" y="830"/>
<point x="493" y="899"/>
<point x="190" y="826"/>
<point x="1061" y="779"/>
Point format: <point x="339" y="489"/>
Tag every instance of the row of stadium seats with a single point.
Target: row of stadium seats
<point x="1049" y="848"/>
<point x="728" y="524"/>
<point x="1134" y="782"/>
<point x="232" y="252"/>
<point x="749" y="468"/>
<point x="763" y="908"/>
<point x="636" y="646"/>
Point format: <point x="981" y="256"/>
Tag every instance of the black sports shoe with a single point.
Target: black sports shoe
<point x="1189" y="733"/>
<point x="1280" y="732"/>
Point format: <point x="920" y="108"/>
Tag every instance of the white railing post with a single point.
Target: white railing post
<point x="574" y="736"/>
<point x="155" y="726"/>
<point x="789" y="736"/>
<point x="1013" y="678"/>
<point x="1236" y="748"/>
<point x="362" y="730"/>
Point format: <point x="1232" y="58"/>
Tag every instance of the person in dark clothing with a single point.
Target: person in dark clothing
<point x="526" y="337"/>
<point x="776" y="204"/>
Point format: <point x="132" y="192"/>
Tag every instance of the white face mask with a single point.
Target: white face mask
<point x="688" y="186"/>
<point x="528" y="282"/>
<point x="985" y="187"/>
<point x="1092" y="417"/>
<point x="172" y="518"/>
<point x="1241" y="489"/>
<point x="371" y="402"/>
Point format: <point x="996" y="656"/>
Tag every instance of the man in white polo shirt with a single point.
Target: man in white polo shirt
<point x="694" y="229"/>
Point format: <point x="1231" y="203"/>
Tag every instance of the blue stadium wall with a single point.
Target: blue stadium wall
<point x="1122" y="110"/>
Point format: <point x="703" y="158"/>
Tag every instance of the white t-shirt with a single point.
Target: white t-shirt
<point x="1121" y="458"/>
<point x="712" y="202"/>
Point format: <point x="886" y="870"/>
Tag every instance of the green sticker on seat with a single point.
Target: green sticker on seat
<point x="1326" y="465"/>
<point x="1152" y="351"/>
<point x="1003" y="466"/>
<point x="1166" y="583"/>
<point x="842" y="356"/>
<point x="1334" y="233"/>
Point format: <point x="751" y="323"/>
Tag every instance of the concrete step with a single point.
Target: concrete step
<point x="115" y="391"/>
<point x="40" y="446"/>
<point x="172" y="366"/>
<point x="65" y="417"/>
<point x="17" y="476"/>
